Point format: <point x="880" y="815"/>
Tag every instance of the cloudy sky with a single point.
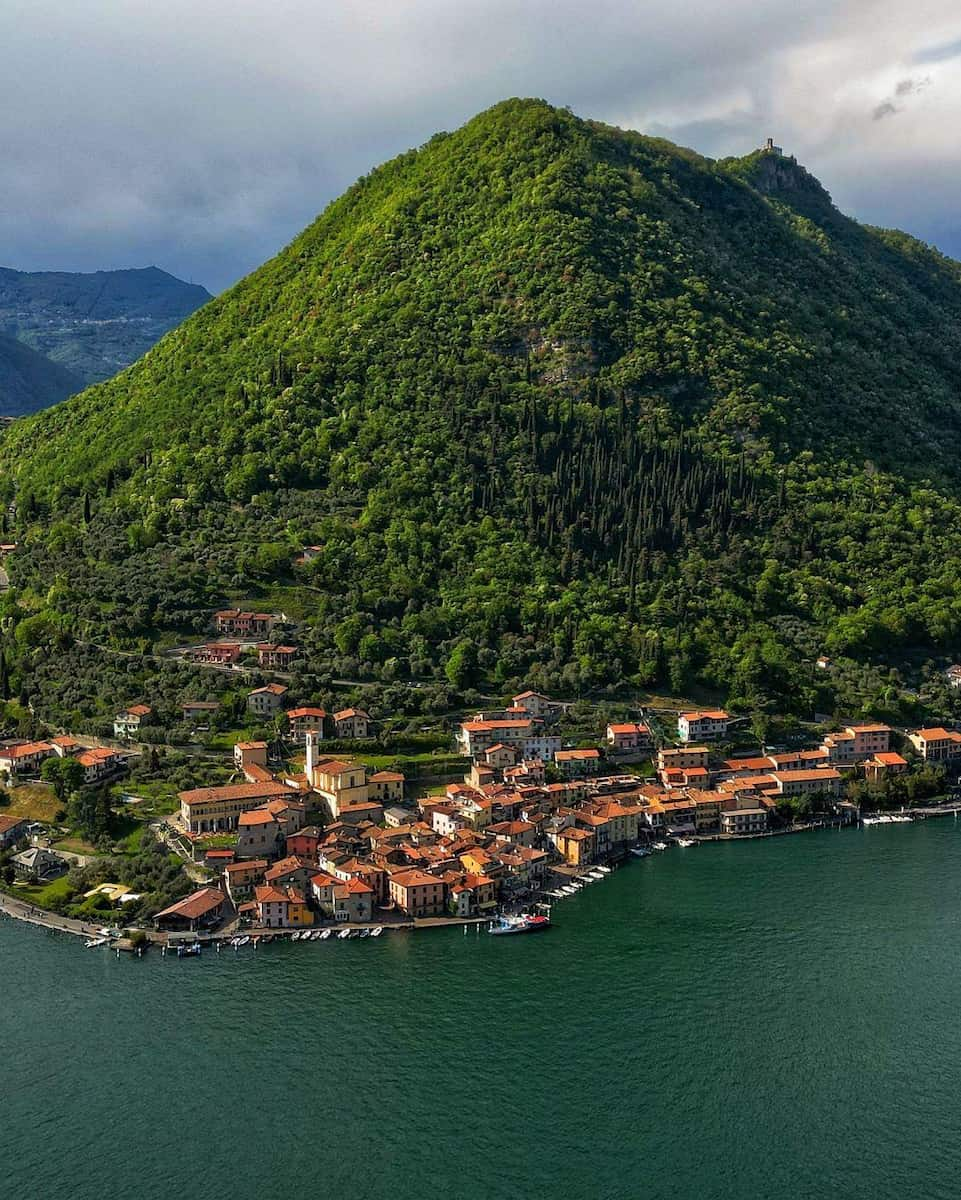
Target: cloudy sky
<point x="201" y="135"/>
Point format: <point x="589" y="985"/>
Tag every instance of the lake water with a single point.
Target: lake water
<point x="764" y="1019"/>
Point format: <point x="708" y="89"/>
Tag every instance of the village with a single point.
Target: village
<point x="300" y="840"/>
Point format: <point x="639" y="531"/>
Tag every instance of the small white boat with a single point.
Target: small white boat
<point x="597" y="875"/>
<point x="91" y="943"/>
<point x="344" y="933"/>
<point x="640" y="851"/>
<point x="685" y="842"/>
<point x="244" y="940"/>
<point x="660" y="845"/>
<point x="377" y="931"/>
<point x="604" y="870"/>
<point x="325" y="934"/>
<point x="570" y="890"/>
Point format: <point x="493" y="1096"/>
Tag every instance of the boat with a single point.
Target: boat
<point x="686" y="842"/>
<point x="366" y="932"/>
<point x="596" y="875"/>
<point x="640" y="851"/>
<point x="344" y="933"/>
<point x="244" y="940"/>
<point x="188" y="951"/>
<point x="325" y="934"/>
<point x="660" y="845"/>
<point x="604" y="870"/>
<point x="91" y="943"/>
<point x="377" y="931"/>
<point x="522" y="923"/>
<point x="570" y="890"/>
<point x="317" y="935"/>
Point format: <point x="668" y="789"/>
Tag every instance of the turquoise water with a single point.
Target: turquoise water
<point x="765" y="1019"/>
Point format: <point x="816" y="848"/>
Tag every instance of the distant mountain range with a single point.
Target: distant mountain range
<point x="87" y="326"/>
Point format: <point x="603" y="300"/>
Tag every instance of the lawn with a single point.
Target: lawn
<point x="35" y="801"/>
<point x="76" y="845"/>
<point x="43" y="896"/>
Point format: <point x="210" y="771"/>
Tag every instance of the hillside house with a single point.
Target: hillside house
<point x="351" y="723"/>
<point x="703" y="725"/>
<point x="277" y="658"/>
<point x="232" y="622"/>
<point x="536" y="704"/>
<point x="883" y="765"/>
<point x="386" y="787"/>
<point x="626" y="736"/>
<point x="194" y="711"/>
<point x="25" y="758"/>
<point x="268" y="700"/>
<point x="12" y="830"/>
<point x="39" y="865"/>
<point x="304" y="720"/>
<point x="575" y="764"/>
<point x="127" y="722"/>
<point x="215" y="654"/>
<point x="100" y="763"/>
<point x="936" y="745"/>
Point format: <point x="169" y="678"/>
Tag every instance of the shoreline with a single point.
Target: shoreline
<point x="19" y="910"/>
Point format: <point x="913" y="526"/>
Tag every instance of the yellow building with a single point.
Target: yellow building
<point x="576" y="846"/>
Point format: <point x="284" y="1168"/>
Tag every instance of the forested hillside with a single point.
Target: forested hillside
<point x="28" y="381"/>
<point x="559" y="402"/>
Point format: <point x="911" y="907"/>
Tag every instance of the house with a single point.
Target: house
<point x="275" y="657"/>
<point x="242" y="877"/>
<point x="215" y="654"/>
<point x="351" y="723"/>
<point x="953" y="675"/>
<point x="884" y="764"/>
<point x="218" y="809"/>
<point x="127" y="722"/>
<point x="259" y="834"/>
<point x="575" y="845"/>
<point x="281" y="907"/>
<point x="234" y="623"/>
<point x="395" y="817"/>
<point x="473" y="895"/>
<point x="353" y="900"/>
<point x="525" y="735"/>
<point x="100" y="763"/>
<point x="856" y="742"/>
<point x="39" y="865"/>
<point x="627" y="736"/>
<point x="247" y="754"/>
<point x="418" y="894"/>
<point x="200" y="910"/>
<point x="519" y="833"/>
<point x="823" y="663"/>
<point x="291" y="871"/>
<point x="745" y="815"/>
<point x="703" y="725"/>
<point x="936" y="745"/>
<point x="537" y="704"/>
<point x="304" y="720"/>
<point x="386" y="787"/>
<point x="499" y="756"/>
<point x="681" y="759"/>
<point x="322" y="886"/>
<point x="575" y="764"/>
<point x="24" y="759"/>
<point x="64" y="746"/>
<point x="824" y="781"/>
<point x="12" y="830"/>
<point x="305" y="843"/>
<point x="198" y="710"/>
<point x="267" y="700"/>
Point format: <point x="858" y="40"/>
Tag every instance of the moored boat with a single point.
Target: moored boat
<point x="325" y="934"/>
<point x="522" y="923"/>
<point x="377" y="931"/>
<point x="686" y="842"/>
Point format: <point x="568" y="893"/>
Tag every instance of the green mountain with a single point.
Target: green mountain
<point x="559" y="402"/>
<point x="29" y="381"/>
<point x="94" y="324"/>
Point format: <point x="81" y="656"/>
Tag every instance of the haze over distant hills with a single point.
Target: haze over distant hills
<point x="29" y="381"/>
<point x="93" y="325"/>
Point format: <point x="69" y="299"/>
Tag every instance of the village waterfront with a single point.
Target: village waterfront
<point x="757" y="1018"/>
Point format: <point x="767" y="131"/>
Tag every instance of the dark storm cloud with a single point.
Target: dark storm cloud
<point x="203" y="134"/>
